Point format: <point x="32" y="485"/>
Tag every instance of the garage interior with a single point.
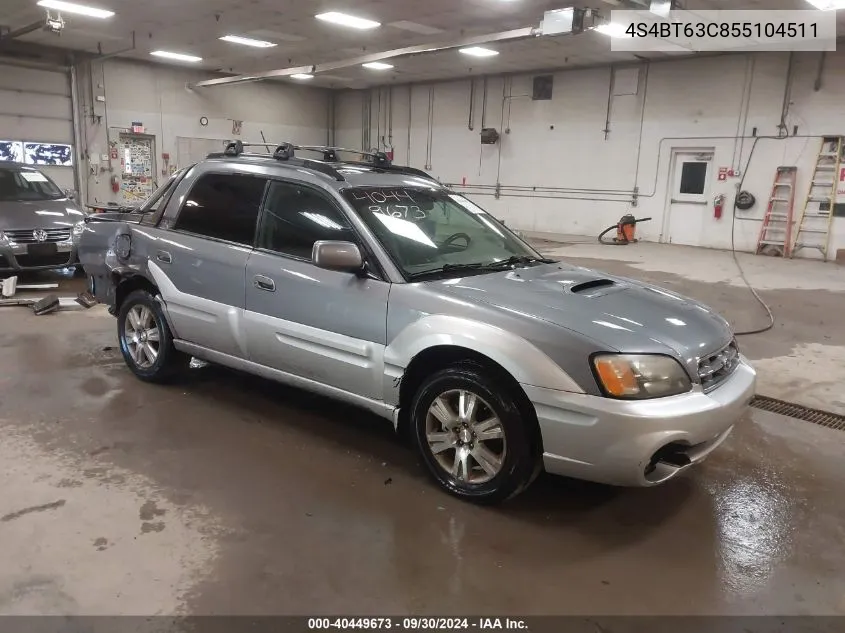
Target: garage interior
<point x="227" y="494"/>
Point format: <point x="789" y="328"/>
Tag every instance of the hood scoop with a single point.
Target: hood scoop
<point x="589" y="288"/>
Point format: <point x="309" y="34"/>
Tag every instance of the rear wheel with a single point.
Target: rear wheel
<point x="146" y="341"/>
<point x="474" y="437"/>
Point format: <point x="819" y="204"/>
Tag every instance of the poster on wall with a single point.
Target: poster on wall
<point x="11" y="151"/>
<point x="57" y="154"/>
<point x="137" y="182"/>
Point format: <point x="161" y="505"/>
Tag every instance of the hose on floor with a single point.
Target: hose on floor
<point x="759" y="299"/>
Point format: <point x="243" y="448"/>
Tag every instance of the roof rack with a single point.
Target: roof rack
<point x="284" y="152"/>
<point x="287" y="152"/>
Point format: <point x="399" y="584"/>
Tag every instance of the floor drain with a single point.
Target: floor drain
<point x="822" y="418"/>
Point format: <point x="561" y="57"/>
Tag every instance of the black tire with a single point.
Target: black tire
<point x="521" y="462"/>
<point x="169" y="361"/>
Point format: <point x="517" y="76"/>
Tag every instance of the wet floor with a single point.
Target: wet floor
<point x="227" y="494"/>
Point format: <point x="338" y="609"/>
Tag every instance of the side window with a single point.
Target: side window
<point x="295" y="217"/>
<point x="223" y="206"/>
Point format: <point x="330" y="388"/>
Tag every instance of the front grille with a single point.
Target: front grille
<point x="31" y="236"/>
<point x="34" y="261"/>
<point x="714" y="369"/>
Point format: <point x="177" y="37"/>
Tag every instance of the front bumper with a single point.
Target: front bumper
<point x="637" y="443"/>
<point x="15" y="258"/>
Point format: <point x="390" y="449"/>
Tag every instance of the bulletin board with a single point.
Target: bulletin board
<point x="137" y="167"/>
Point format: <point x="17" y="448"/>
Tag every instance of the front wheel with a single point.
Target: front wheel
<point x="474" y="437"/>
<point x="146" y="341"/>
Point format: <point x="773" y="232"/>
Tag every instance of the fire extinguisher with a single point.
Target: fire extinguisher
<point x="718" y="205"/>
<point x="115" y="184"/>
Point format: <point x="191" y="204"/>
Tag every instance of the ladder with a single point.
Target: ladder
<point x="776" y="233"/>
<point x="814" y="223"/>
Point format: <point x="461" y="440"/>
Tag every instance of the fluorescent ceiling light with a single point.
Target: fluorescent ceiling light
<point x="81" y="9"/>
<point x="611" y="30"/>
<point x="302" y="76"/>
<point x="177" y="56"/>
<point x="828" y="5"/>
<point x="247" y="41"/>
<point x="377" y="66"/>
<point x="661" y="7"/>
<point x="347" y="20"/>
<point x="478" y="51"/>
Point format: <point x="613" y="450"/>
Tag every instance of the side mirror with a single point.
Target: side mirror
<point x="71" y="194"/>
<point x="343" y="256"/>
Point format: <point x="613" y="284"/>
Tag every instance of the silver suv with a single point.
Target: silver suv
<point x="40" y="224"/>
<point x="374" y="284"/>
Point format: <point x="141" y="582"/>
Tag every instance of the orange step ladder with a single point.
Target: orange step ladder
<point x="816" y="217"/>
<point x="776" y="233"/>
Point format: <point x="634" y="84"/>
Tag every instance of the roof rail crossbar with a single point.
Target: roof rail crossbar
<point x="287" y="152"/>
<point x="379" y="159"/>
<point x="284" y="153"/>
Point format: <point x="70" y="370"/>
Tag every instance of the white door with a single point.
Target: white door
<point x="690" y="206"/>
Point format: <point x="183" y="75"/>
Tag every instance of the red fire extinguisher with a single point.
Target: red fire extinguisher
<point x="718" y="205"/>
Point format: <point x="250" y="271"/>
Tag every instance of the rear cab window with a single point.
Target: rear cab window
<point x="223" y="207"/>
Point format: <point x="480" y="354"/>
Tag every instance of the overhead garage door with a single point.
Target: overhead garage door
<point x="36" y="124"/>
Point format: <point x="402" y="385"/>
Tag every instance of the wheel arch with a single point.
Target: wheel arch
<point x="439" y="357"/>
<point x="128" y="281"/>
<point x="438" y="341"/>
<point x="520" y="358"/>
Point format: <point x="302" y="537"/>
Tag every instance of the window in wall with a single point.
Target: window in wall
<point x="11" y="151"/>
<point x="295" y="217"/>
<point x="48" y="154"/>
<point x="693" y="176"/>
<point x="224" y="207"/>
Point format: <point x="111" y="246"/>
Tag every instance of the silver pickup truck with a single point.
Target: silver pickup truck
<point x="374" y="284"/>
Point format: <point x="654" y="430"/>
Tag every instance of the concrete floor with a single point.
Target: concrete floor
<point x="227" y="494"/>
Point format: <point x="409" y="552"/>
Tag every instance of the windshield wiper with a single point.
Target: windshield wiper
<point x="517" y="260"/>
<point x="446" y="268"/>
<point x="481" y="266"/>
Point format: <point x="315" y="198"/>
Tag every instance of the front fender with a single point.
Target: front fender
<point x="519" y="357"/>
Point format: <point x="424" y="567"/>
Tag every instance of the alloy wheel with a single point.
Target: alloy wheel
<point x="465" y="436"/>
<point x="141" y="336"/>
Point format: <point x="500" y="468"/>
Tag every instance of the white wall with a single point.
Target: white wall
<point x="158" y="96"/>
<point x="695" y="103"/>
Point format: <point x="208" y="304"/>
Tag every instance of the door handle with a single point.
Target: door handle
<point x="264" y="283"/>
<point x="164" y="256"/>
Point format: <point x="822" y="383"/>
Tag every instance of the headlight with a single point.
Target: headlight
<point x="78" y="228"/>
<point x="640" y="376"/>
<point x="3" y="239"/>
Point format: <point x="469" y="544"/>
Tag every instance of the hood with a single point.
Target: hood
<point x="618" y="314"/>
<point x="39" y="214"/>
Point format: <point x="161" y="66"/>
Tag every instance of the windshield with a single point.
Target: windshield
<point x="429" y="231"/>
<point x="27" y="184"/>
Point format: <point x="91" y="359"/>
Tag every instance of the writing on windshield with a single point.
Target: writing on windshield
<point x="398" y="203"/>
